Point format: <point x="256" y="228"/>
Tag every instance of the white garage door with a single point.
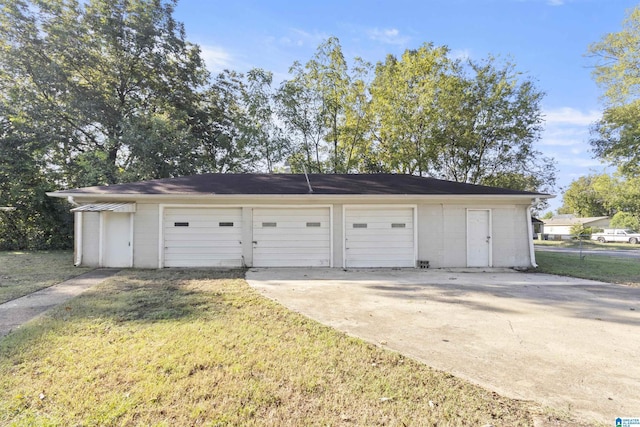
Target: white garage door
<point x="379" y="237"/>
<point x="291" y="237"/>
<point x="202" y="237"/>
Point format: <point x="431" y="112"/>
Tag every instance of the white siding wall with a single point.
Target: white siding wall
<point x="441" y="232"/>
<point x="90" y="239"/>
<point x="510" y="242"/>
<point x="338" y="236"/>
<point x="247" y="236"/>
<point x="557" y="229"/>
<point x="431" y="234"/>
<point x="454" y="236"/>
<point x="509" y="248"/>
<point x="145" y="235"/>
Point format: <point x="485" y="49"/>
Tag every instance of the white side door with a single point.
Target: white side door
<point x="478" y="238"/>
<point x="116" y="240"/>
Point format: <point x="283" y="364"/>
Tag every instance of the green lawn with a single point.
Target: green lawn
<point x="200" y="347"/>
<point x="587" y="244"/>
<point x="595" y="267"/>
<point x="24" y="272"/>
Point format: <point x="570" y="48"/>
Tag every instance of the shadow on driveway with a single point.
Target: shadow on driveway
<point x="570" y="344"/>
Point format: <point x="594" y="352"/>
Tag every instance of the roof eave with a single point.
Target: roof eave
<point x="191" y="196"/>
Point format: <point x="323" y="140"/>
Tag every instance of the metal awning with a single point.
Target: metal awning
<point x="106" y="207"/>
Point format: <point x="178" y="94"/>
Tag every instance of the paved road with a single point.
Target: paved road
<point x="625" y="253"/>
<point x="570" y="344"/>
<point x="15" y="313"/>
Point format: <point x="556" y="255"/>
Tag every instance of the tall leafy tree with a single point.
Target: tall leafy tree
<point x="37" y="221"/>
<point x="406" y="104"/>
<point x="91" y="92"/>
<point x="324" y="106"/>
<point x="473" y="122"/>
<point x="327" y="74"/>
<point x="301" y="108"/>
<point x="604" y="194"/>
<point x="237" y="130"/>
<point x="265" y="138"/>
<point x="587" y="197"/>
<point x="355" y="149"/>
<point x="616" y="137"/>
<point x="489" y="120"/>
<point x="111" y="73"/>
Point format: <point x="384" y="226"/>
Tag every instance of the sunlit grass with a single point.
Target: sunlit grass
<point x="199" y="347"/>
<point x="24" y="272"/>
<point x="586" y="244"/>
<point x="594" y="267"/>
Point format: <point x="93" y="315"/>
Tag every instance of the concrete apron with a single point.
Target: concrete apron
<point x="569" y="344"/>
<point x="19" y="311"/>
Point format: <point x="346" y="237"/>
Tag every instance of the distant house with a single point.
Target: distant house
<point x="289" y="220"/>
<point x="537" y="226"/>
<point x="559" y="227"/>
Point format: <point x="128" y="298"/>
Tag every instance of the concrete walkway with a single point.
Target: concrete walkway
<point x="16" y="312"/>
<point x="569" y="344"/>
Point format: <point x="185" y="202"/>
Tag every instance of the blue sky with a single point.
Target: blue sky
<point x="546" y="39"/>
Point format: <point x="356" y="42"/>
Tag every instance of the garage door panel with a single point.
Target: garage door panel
<point x="194" y="262"/>
<point x="291" y="237"/>
<point x="379" y="237"/>
<point x="293" y="254"/>
<point x="219" y="260"/>
<point x="195" y="231"/>
<point x="202" y="237"/>
<point x="308" y="231"/>
<point x="269" y="239"/>
<point x="374" y="257"/>
<point x="202" y="246"/>
<point x="296" y="244"/>
<point x="397" y="249"/>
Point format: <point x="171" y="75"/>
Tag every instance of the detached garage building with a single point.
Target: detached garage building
<point x="290" y="220"/>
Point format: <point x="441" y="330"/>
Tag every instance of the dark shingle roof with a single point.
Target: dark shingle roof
<point x="292" y="184"/>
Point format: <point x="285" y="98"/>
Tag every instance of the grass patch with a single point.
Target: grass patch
<point x="586" y="244"/>
<point x="199" y="347"/>
<point x="24" y="272"/>
<point x="596" y="267"/>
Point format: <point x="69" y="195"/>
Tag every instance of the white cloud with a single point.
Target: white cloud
<point x="571" y="116"/>
<point x="299" y="38"/>
<point x="462" y="54"/>
<point x="582" y="164"/>
<point x="559" y="142"/>
<point x="216" y="58"/>
<point x="566" y="139"/>
<point x="388" y="36"/>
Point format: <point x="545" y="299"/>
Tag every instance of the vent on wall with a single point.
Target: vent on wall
<point x="360" y="225"/>
<point x="398" y="225"/>
<point x="180" y="224"/>
<point x="269" y="224"/>
<point x="423" y="264"/>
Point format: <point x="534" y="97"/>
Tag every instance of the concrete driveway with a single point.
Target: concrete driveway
<point x="569" y="344"/>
